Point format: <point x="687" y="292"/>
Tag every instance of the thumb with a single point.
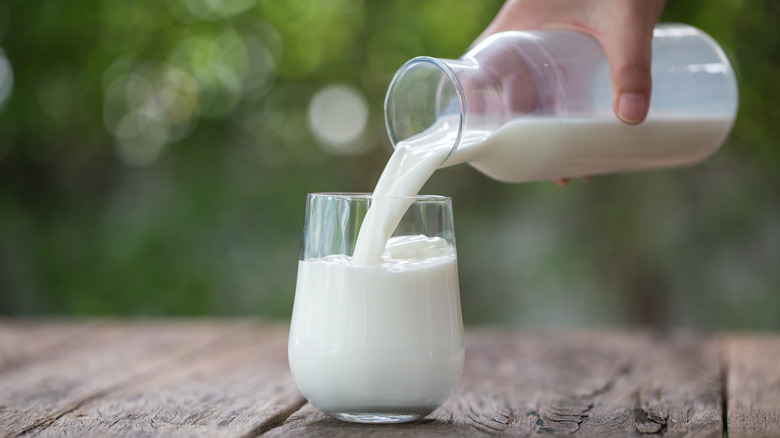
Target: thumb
<point x="629" y="54"/>
<point x="629" y="59"/>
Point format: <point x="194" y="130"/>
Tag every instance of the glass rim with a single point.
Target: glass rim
<point x="370" y="196"/>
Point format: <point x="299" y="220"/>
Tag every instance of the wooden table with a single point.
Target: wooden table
<point x="230" y="378"/>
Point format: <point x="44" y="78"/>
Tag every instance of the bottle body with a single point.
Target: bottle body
<point x="526" y="106"/>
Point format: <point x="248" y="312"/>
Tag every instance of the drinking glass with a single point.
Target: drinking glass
<point x="381" y="343"/>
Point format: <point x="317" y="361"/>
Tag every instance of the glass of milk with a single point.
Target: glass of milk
<point x="381" y="343"/>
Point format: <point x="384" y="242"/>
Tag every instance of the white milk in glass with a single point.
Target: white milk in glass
<point x="378" y="336"/>
<point x="385" y="340"/>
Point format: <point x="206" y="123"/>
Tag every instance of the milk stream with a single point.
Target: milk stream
<point x="532" y="149"/>
<point x="407" y="170"/>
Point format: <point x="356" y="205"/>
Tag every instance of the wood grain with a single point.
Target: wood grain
<point x="585" y="384"/>
<point x="93" y="364"/>
<point x="753" y="385"/>
<point x="24" y="340"/>
<point x="240" y="386"/>
<point x="231" y="379"/>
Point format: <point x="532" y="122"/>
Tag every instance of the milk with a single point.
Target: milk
<point x="533" y="149"/>
<point x="385" y="339"/>
<point x="410" y="166"/>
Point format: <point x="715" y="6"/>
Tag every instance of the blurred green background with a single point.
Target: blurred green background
<point x="155" y="156"/>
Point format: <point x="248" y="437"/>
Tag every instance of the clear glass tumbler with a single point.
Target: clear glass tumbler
<point x="378" y="344"/>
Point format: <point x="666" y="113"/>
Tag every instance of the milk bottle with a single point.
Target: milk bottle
<point x="526" y="106"/>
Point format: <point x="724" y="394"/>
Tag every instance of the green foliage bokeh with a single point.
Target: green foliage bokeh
<point x="193" y="204"/>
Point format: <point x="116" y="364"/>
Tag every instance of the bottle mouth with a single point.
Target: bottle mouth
<point x="426" y="97"/>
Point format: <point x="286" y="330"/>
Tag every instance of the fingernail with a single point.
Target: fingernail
<point x="632" y="107"/>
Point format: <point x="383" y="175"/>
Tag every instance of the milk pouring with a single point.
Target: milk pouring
<point x="376" y="333"/>
<point x="529" y="106"/>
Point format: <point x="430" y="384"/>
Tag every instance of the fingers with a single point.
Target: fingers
<point x="629" y="58"/>
<point x="624" y="28"/>
<point x="626" y="37"/>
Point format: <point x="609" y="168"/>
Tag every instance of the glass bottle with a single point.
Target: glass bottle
<point x="525" y="106"/>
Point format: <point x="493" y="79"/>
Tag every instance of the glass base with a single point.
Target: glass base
<point x="374" y="418"/>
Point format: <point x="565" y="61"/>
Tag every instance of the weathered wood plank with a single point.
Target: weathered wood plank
<point x="241" y="386"/>
<point x="231" y="379"/>
<point x="23" y="340"/>
<point x="584" y="384"/>
<point x="753" y="383"/>
<point x="36" y="394"/>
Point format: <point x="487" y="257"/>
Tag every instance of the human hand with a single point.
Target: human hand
<point x="623" y="27"/>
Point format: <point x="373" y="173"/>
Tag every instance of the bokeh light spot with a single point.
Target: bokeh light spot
<point x="227" y="8"/>
<point x="6" y="78"/>
<point x="121" y="67"/>
<point x="139" y="151"/>
<point x="226" y="68"/>
<point x="153" y="105"/>
<point x="131" y="125"/>
<point x="338" y="115"/>
<point x="180" y="12"/>
<point x="200" y="9"/>
<point x="261" y="67"/>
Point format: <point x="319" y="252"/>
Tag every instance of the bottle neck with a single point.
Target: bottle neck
<point x="443" y="101"/>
